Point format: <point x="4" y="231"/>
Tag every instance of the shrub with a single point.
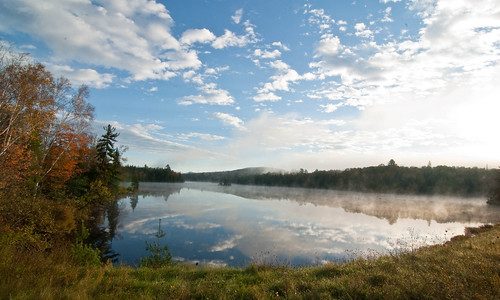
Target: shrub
<point x="85" y="255"/>
<point x="159" y="256"/>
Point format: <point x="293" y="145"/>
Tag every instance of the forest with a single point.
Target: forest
<point x="390" y="178"/>
<point x="150" y="174"/>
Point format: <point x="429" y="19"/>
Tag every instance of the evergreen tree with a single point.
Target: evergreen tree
<point x="494" y="194"/>
<point x="392" y="163"/>
<point x="108" y="158"/>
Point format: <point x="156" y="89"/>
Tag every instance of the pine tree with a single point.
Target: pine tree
<point x="108" y="158"/>
<point x="494" y="193"/>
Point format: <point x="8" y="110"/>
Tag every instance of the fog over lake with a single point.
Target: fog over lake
<point x="237" y="225"/>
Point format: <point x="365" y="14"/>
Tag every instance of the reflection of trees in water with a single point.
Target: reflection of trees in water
<point x="387" y="206"/>
<point x="102" y="226"/>
<point x="104" y="219"/>
<point x="391" y="207"/>
<point x="148" y="189"/>
<point x="134" y="199"/>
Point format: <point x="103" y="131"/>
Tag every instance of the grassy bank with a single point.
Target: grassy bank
<point x="468" y="267"/>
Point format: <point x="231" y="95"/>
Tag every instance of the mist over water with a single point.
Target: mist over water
<point x="236" y="225"/>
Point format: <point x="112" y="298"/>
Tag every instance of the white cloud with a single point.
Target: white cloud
<point x="362" y="31"/>
<point x="280" y="45"/>
<point x="210" y="94"/>
<point x="192" y="76"/>
<point x="328" y="45"/>
<point x="192" y="36"/>
<point x="387" y="15"/>
<point x="319" y="18"/>
<point x="280" y="81"/>
<point x="330" y="107"/>
<point x="88" y="77"/>
<point x="279" y="138"/>
<point x="211" y="71"/>
<point x="237" y="16"/>
<point x="147" y="143"/>
<point x="267" y="54"/>
<point x="279" y="65"/>
<point x="425" y="8"/>
<point x="450" y="49"/>
<point x="153" y="89"/>
<point x="216" y="71"/>
<point x="230" y="39"/>
<point x="27" y="47"/>
<point x="146" y="137"/>
<point x="270" y="96"/>
<point x="133" y="36"/>
<point x="180" y="60"/>
<point x="201" y="136"/>
<point x="291" y="141"/>
<point x="423" y="86"/>
<point x="230" y="120"/>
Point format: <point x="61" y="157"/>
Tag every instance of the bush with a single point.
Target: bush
<point x="85" y="255"/>
<point x="50" y="219"/>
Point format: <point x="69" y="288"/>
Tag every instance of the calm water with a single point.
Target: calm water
<point x="237" y="225"/>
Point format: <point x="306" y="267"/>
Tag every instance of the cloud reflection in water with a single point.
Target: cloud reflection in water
<point x="234" y="225"/>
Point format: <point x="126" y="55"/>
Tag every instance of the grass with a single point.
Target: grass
<point x="468" y="267"/>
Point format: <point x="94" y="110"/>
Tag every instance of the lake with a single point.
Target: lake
<point x="237" y="225"/>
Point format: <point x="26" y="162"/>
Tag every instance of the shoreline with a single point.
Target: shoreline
<point x="467" y="266"/>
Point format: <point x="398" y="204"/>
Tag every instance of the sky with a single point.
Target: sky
<point x="219" y="85"/>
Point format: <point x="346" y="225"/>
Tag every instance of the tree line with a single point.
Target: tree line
<point x="150" y="174"/>
<point x="389" y="178"/>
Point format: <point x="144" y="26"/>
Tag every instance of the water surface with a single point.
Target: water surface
<point x="236" y="225"/>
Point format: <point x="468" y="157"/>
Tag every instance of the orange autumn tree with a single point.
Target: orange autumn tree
<point x="44" y="126"/>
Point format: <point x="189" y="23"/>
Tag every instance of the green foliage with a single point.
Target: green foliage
<point x="82" y="234"/>
<point x="47" y="219"/>
<point x="159" y="256"/>
<point x="494" y="193"/>
<point x="24" y="240"/>
<point x="99" y="192"/>
<point x="108" y="158"/>
<point x="106" y="146"/>
<point x="148" y="174"/>
<point x="85" y="255"/>
<point x="134" y="184"/>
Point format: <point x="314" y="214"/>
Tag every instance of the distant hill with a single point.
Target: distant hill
<point x="229" y="175"/>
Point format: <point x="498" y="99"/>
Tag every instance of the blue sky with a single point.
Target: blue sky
<point x="214" y="85"/>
